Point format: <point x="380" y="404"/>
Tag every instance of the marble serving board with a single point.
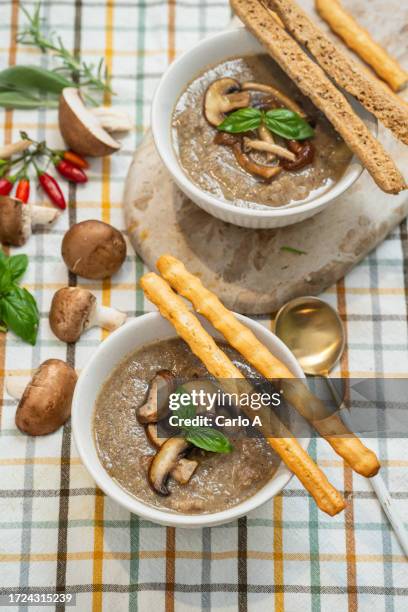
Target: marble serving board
<point x="248" y="269"/>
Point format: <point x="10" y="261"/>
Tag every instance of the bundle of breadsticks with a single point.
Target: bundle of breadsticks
<point x="318" y="79"/>
<point x="160" y="291"/>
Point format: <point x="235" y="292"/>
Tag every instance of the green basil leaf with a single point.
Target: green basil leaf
<point x="289" y="249"/>
<point x="209" y="439"/>
<point x="17" y="265"/>
<point x="287" y="124"/>
<point x="25" y="100"/>
<point x="6" y="281"/>
<point x="242" y="120"/>
<point x="3" y="327"/>
<point x="19" y="312"/>
<point x="34" y="77"/>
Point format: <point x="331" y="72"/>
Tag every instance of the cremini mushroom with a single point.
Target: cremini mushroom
<point x="261" y="145"/>
<point x="184" y="468"/>
<point x="275" y="93"/>
<point x="93" y="249"/>
<point x="74" y="310"/>
<point x="263" y="171"/>
<point x="223" y="96"/>
<point x="81" y="129"/>
<point x="18" y="219"/>
<point x="45" y="403"/>
<point x="164" y="461"/>
<point x="157" y="399"/>
<point x="304" y="152"/>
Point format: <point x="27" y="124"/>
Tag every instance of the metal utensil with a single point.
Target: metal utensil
<point x="314" y="332"/>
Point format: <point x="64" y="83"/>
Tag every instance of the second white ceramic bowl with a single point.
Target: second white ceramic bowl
<point x="210" y="51"/>
<point x="132" y="336"/>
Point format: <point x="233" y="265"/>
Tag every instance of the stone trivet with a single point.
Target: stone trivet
<point x="247" y="268"/>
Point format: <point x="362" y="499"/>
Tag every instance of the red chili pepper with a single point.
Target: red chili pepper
<point x="52" y="189"/>
<point x="75" y="159"/>
<point x="70" y="172"/>
<point x="23" y="190"/>
<point x="6" y="184"/>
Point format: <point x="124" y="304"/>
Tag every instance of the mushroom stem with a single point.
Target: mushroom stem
<point x="260" y="145"/>
<point x="43" y="215"/>
<point x="276" y="93"/>
<point x="112" y="120"/>
<point x="106" y="317"/>
<point x="16" y="385"/>
<point x="267" y="136"/>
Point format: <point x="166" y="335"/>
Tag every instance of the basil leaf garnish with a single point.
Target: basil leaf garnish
<point x="288" y="124"/>
<point x="19" y="312"/>
<point x="242" y="120"/>
<point x="280" y="121"/>
<point x="206" y="438"/>
<point x="209" y="439"/>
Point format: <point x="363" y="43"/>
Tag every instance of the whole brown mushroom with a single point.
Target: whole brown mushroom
<point x="93" y="249"/>
<point x="45" y="404"/>
<point x="74" y="310"/>
<point x="18" y="219"/>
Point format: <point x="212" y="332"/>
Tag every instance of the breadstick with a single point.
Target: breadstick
<point x="360" y="41"/>
<point x="331" y="427"/>
<point x="172" y="307"/>
<point x="314" y="84"/>
<point x="373" y="94"/>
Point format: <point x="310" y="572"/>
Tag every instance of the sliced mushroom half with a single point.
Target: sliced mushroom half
<point x="275" y="93"/>
<point x="261" y="145"/>
<point x="223" y="96"/>
<point x="154" y="408"/>
<point x="184" y="468"/>
<point x="265" y="172"/>
<point x="164" y="461"/>
<point x="304" y="152"/>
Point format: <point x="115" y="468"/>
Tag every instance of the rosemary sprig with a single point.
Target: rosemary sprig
<point x="86" y="75"/>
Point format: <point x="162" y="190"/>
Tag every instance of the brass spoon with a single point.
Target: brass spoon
<point x="314" y="332"/>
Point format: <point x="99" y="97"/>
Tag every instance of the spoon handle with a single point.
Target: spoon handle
<point x="377" y="482"/>
<point x="388" y="505"/>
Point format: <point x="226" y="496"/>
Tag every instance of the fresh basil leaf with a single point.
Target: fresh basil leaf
<point x="34" y="78"/>
<point x="209" y="439"/>
<point x="3" y="327"/>
<point x="6" y="281"/>
<point x="25" y="100"/>
<point x="17" y="264"/>
<point x="19" y="312"/>
<point x="289" y="249"/>
<point x="242" y="120"/>
<point x="288" y="124"/>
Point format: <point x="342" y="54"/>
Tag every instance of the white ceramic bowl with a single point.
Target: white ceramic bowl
<point x="136" y="333"/>
<point x="210" y="51"/>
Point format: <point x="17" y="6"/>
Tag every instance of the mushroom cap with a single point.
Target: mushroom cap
<point x="15" y="221"/>
<point x="71" y="309"/>
<point x="81" y="129"/>
<point x="93" y="249"/>
<point x="47" y="399"/>
<point x="222" y="96"/>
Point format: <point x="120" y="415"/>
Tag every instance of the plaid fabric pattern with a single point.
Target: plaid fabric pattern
<point x="57" y="531"/>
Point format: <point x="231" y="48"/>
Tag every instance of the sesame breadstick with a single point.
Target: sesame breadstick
<point x="188" y="327"/>
<point x="331" y="427"/>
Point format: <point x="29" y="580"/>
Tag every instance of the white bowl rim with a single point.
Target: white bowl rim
<point x="175" y="169"/>
<point x="126" y="499"/>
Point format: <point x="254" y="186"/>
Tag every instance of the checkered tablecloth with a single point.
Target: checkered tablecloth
<point x="57" y="531"/>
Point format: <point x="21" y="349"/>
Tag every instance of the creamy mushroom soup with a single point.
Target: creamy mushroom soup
<point x="219" y="481"/>
<point x="243" y="167"/>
